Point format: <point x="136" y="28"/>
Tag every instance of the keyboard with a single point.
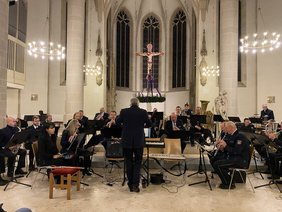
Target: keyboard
<point x="167" y="156"/>
<point x="155" y="144"/>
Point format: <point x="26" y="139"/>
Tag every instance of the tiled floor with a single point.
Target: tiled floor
<point x="175" y="196"/>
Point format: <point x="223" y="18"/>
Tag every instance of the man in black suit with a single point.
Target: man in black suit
<point x="6" y="134"/>
<point x="100" y="118"/>
<point x="133" y="121"/>
<point x="266" y="114"/>
<point x="174" y="129"/>
<point x="34" y="131"/>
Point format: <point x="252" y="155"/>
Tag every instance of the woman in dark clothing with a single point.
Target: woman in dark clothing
<point x="70" y="145"/>
<point x="48" y="153"/>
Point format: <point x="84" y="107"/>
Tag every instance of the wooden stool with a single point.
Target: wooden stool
<point x="68" y="173"/>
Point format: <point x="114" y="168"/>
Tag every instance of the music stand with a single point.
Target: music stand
<point x="234" y="119"/>
<point x="90" y="127"/>
<point x="184" y="119"/>
<point x="217" y="118"/>
<point x="202" y="167"/>
<point x="79" y="139"/>
<point x="112" y="132"/>
<point x="253" y="140"/>
<point x="266" y="140"/>
<point x="255" y="120"/>
<point x="198" y="119"/>
<point x="17" y="139"/>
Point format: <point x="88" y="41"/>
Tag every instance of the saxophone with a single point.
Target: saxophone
<point x="15" y="149"/>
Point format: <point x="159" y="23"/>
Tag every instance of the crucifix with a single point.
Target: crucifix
<point x="149" y="54"/>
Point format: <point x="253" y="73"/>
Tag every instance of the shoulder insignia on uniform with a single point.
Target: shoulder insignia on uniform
<point x="239" y="142"/>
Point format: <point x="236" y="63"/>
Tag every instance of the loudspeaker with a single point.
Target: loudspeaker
<point x="157" y="179"/>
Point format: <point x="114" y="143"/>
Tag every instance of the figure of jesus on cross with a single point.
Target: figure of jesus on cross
<point x="149" y="54"/>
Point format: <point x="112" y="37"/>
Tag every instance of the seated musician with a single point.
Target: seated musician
<point x="220" y="154"/>
<point x="83" y="120"/>
<point x="187" y="111"/>
<point x="178" y="111"/>
<point x="266" y="114"/>
<point x="276" y="156"/>
<point x="34" y="131"/>
<point x="6" y="134"/>
<point x="237" y="150"/>
<point x="100" y="118"/>
<point x="155" y="123"/>
<point x="174" y="129"/>
<point x="48" y="153"/>
<point x="106" y="133"/>
<point x="110" y="129"/>
<point x="247" y="126"/>
<point x="70" y="145"/>
<point x="198" y="128"/>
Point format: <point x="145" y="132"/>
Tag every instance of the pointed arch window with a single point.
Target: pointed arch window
<point x="122" y="50"/>
<point x="151" y="34"/>
<point x="179" y="50"/>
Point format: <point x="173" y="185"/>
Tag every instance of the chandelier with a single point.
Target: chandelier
<point x="211" y="71"/>
<point x="43" y="50"/>
<point x="94" y="69"/>
<point x="260" y="43"/>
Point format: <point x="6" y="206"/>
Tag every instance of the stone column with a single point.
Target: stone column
<point x="229" y="52"/>
<point x="75" y="54"/>
<point x="4" y="17"/>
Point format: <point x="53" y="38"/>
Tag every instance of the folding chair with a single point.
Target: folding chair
<point x="243" y="170"/>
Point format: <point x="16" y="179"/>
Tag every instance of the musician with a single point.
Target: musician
<point x="266" y="114"/>
<point x="197" y="129"/>
<point x="187" y="111"/>
<point x="34" y="131"/>
<point x="276" y="157"/>
<point x="155" y="119"/>
<point x="6" y="134"/>
<point x="106" y="133"/>
<point x="102" y="115"/>
<point x="70" y="145"/>
<point x="174" y="129"/>
<point x="48" y="153"/>
<point x="220" y="154"/>
<point x="133" y="121"/>
<point x="83" y="120"/>
<point x="178" y="110"/>
<point x="237" y="150"/>
<point x="247" y="126"/>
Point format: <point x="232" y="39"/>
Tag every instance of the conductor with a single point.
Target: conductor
<point x="133" y="121"/>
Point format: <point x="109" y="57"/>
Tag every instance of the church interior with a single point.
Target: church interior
<point x="220" y="57"/>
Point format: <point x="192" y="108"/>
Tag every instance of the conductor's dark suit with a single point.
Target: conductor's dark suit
<point x="133" y="120"/>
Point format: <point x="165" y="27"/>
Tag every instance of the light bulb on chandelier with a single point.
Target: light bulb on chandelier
<point x="43" y="50"/>
<point x="260" y="43"/>
<point x="212" y="71"/>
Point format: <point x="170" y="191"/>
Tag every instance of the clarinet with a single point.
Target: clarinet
<point x="217" y="150"/>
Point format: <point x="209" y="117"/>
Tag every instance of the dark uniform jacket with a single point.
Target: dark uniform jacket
<point x="133" y="121"/>
<point x="238" y="147"/>
<point x="268" y="114"/>
<point x="6" y="134"/>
